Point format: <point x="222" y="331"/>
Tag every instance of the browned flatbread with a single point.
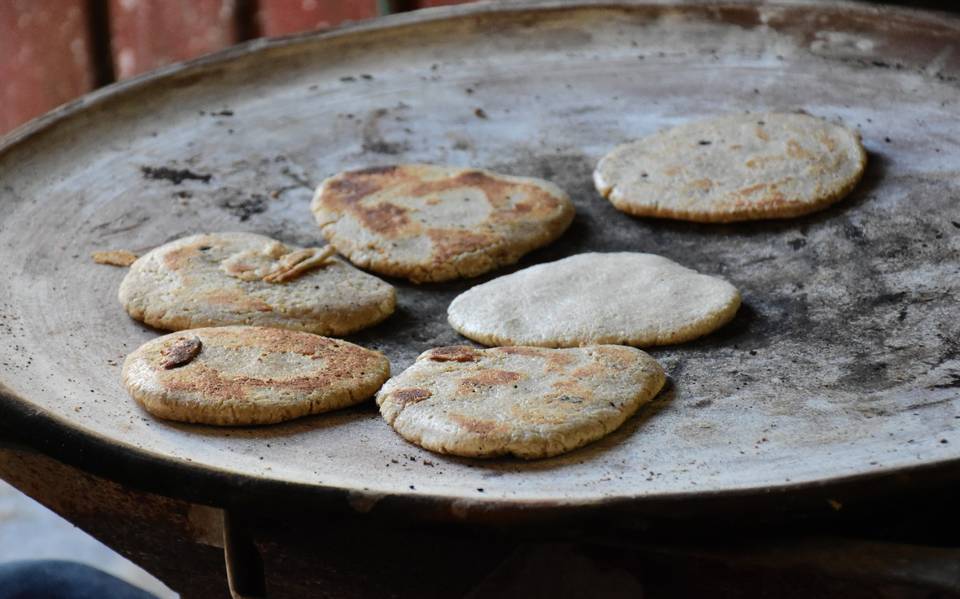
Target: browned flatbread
<point x="218" y="279"/>
<point x="435" y="223"/>
<point x="250" y="375"/>
<point x="734" y="168"/>
<point x="530" y="402"/>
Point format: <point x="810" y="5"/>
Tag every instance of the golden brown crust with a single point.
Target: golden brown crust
<point x="236" y="300"/>
<point x="489" y="378"/>
<point x="479" y="426"/>
<point x="179" y="258"/>
<point x="405" y="397"/>
<point x="453" y="353"/>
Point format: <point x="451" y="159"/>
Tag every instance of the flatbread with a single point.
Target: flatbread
<point x="628" y="298"/>
<point x="250" y="375"/>
<point x="528" y="402"/>
<point x="733" y="168"/>
<point x="221" y="279"/>
<point x="436" y="223"/>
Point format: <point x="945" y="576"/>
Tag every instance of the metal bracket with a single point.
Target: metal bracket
<point x="244" y="565"/>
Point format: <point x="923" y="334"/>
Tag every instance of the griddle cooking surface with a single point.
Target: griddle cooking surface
<point x="843" y="360"/>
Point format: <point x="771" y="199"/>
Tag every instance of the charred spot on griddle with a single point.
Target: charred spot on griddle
<point x="854" y="232"/>
<point x="174" y="175"/>
<point x="244" y="208"/>
<point x="952" y="383"/>
<point x="797" y="243"/>
<point x="379" y="146"/>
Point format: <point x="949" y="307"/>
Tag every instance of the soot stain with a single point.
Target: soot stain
<point x="373" y="140"/>
<point x="749" y="322"/>
<point x="173" y="175"/>
<point x="797" y="243"/>
<point x="854" y="233"/>
<point x="866" y="374"/>
<point x="952" y="382"/>
<point x="243" y="207"/>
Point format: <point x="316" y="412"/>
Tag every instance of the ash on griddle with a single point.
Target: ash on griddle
<point x="244" y="208"/>
<point x="174" y="175"/>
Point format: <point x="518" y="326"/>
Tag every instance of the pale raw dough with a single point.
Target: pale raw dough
<point x="624" y="297"/>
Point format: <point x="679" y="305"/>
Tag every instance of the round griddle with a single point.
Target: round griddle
<point x="840" y="370"/>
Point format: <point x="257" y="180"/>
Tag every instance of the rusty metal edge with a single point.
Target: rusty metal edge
<point x="31" y="428"/>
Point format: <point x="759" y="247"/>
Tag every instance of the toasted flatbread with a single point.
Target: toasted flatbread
<point x="733" y="168"/>
<point x="529" y="402"/>
<point x="222" y="279"/>
<point x="250" y="375"/>
<point x="435" y="223"/>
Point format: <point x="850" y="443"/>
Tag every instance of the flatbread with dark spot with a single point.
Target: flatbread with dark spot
<point x="250" y="375"/>
<point x="529" y="402"/>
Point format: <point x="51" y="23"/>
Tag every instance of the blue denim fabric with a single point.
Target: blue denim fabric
<point x="53" y="579"/>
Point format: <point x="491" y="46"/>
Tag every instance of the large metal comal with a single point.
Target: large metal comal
<point x="842" y="367"/>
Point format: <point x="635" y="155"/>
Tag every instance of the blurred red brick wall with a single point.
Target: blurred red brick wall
<point x="45" y="57"/>
<point x="146" y="34"/>
<point x="49" y="53"/>
<point x="280" y="17"/>
<point x="428" y="3"/>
